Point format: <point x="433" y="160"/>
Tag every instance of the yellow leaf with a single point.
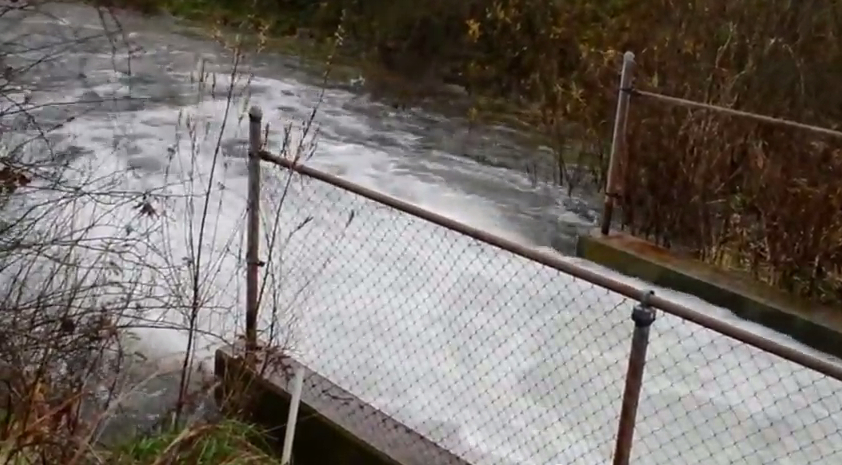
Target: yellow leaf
<point x="473" y="29"/>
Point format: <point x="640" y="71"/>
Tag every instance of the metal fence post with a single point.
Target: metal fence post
<point x="252" y="234"/>
<point x="643" y="316"/>
<point x="613" y="177"/>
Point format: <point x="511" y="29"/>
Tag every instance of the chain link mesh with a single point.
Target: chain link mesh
<point x="708" y="398"/>
<point x="502" y="360"/>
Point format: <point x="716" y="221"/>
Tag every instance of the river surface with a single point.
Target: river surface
<point x="494" y="357"/>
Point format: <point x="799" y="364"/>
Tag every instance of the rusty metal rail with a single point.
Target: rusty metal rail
<point x="732" y="112"/>
<point x="557" y="263"/>
<point x="643" y="314"/>
<point x="619" y="156"/>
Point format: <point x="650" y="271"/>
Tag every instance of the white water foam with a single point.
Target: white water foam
<point x="436" y="329"/>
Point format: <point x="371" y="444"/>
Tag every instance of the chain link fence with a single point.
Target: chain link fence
<point x="708" y="398"/>
<point x="503" y="360"/>
<point x="496" y="359"/>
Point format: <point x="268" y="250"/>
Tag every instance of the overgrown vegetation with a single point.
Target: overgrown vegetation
<point x="224" y="441"/>
<point x="76" y="281"/>
<point x="228" y="442"/>
<point x="736" y="193"/>
<point x="93" y="255"/>
<point x="733" y="192"/>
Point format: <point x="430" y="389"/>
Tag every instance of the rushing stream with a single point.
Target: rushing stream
<point x="517" y="394"/>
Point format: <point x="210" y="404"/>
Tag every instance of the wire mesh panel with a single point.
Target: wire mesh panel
<point x="496" y="358"/>
<point x="503" y="360"/>
<point x="708" y="398"/>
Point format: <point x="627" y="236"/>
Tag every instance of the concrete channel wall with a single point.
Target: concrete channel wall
<point x="815" y="326"/>
<point x="334" y="426"/>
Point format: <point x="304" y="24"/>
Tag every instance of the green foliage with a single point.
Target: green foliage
<point x="229" y="442"/>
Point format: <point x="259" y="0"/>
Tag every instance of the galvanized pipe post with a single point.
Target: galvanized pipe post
<point x="643" y="316"/>
<point x="617" y="143"/>
<point x="253" y="228"/>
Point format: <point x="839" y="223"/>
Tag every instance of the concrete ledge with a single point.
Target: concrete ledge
<point x="816" y="326"/>
<point x="334" y="426"/>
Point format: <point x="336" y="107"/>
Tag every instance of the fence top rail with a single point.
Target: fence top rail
<point x="553" y="261"/>
<point x="730" y="111"/>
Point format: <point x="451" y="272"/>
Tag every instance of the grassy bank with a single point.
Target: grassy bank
<point x="227" y="441"/>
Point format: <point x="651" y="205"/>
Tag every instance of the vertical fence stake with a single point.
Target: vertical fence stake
<point x="643" y="316"/>
<point x="612" y="179"/>
<point x="252" y="234"/>
<point x="292" y="418"/>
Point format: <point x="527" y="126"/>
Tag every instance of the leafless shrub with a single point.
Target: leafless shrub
<point x="89" y="266"/>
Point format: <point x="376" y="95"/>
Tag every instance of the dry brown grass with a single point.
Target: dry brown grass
<point x="733" y="192"/>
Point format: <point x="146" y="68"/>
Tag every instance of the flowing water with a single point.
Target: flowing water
<point x="517" y="377"/>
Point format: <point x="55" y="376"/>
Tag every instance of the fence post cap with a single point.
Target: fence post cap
<point x="643" y="314"/>
<point x="255" y="112"/>
<point x="628" y="56"/>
